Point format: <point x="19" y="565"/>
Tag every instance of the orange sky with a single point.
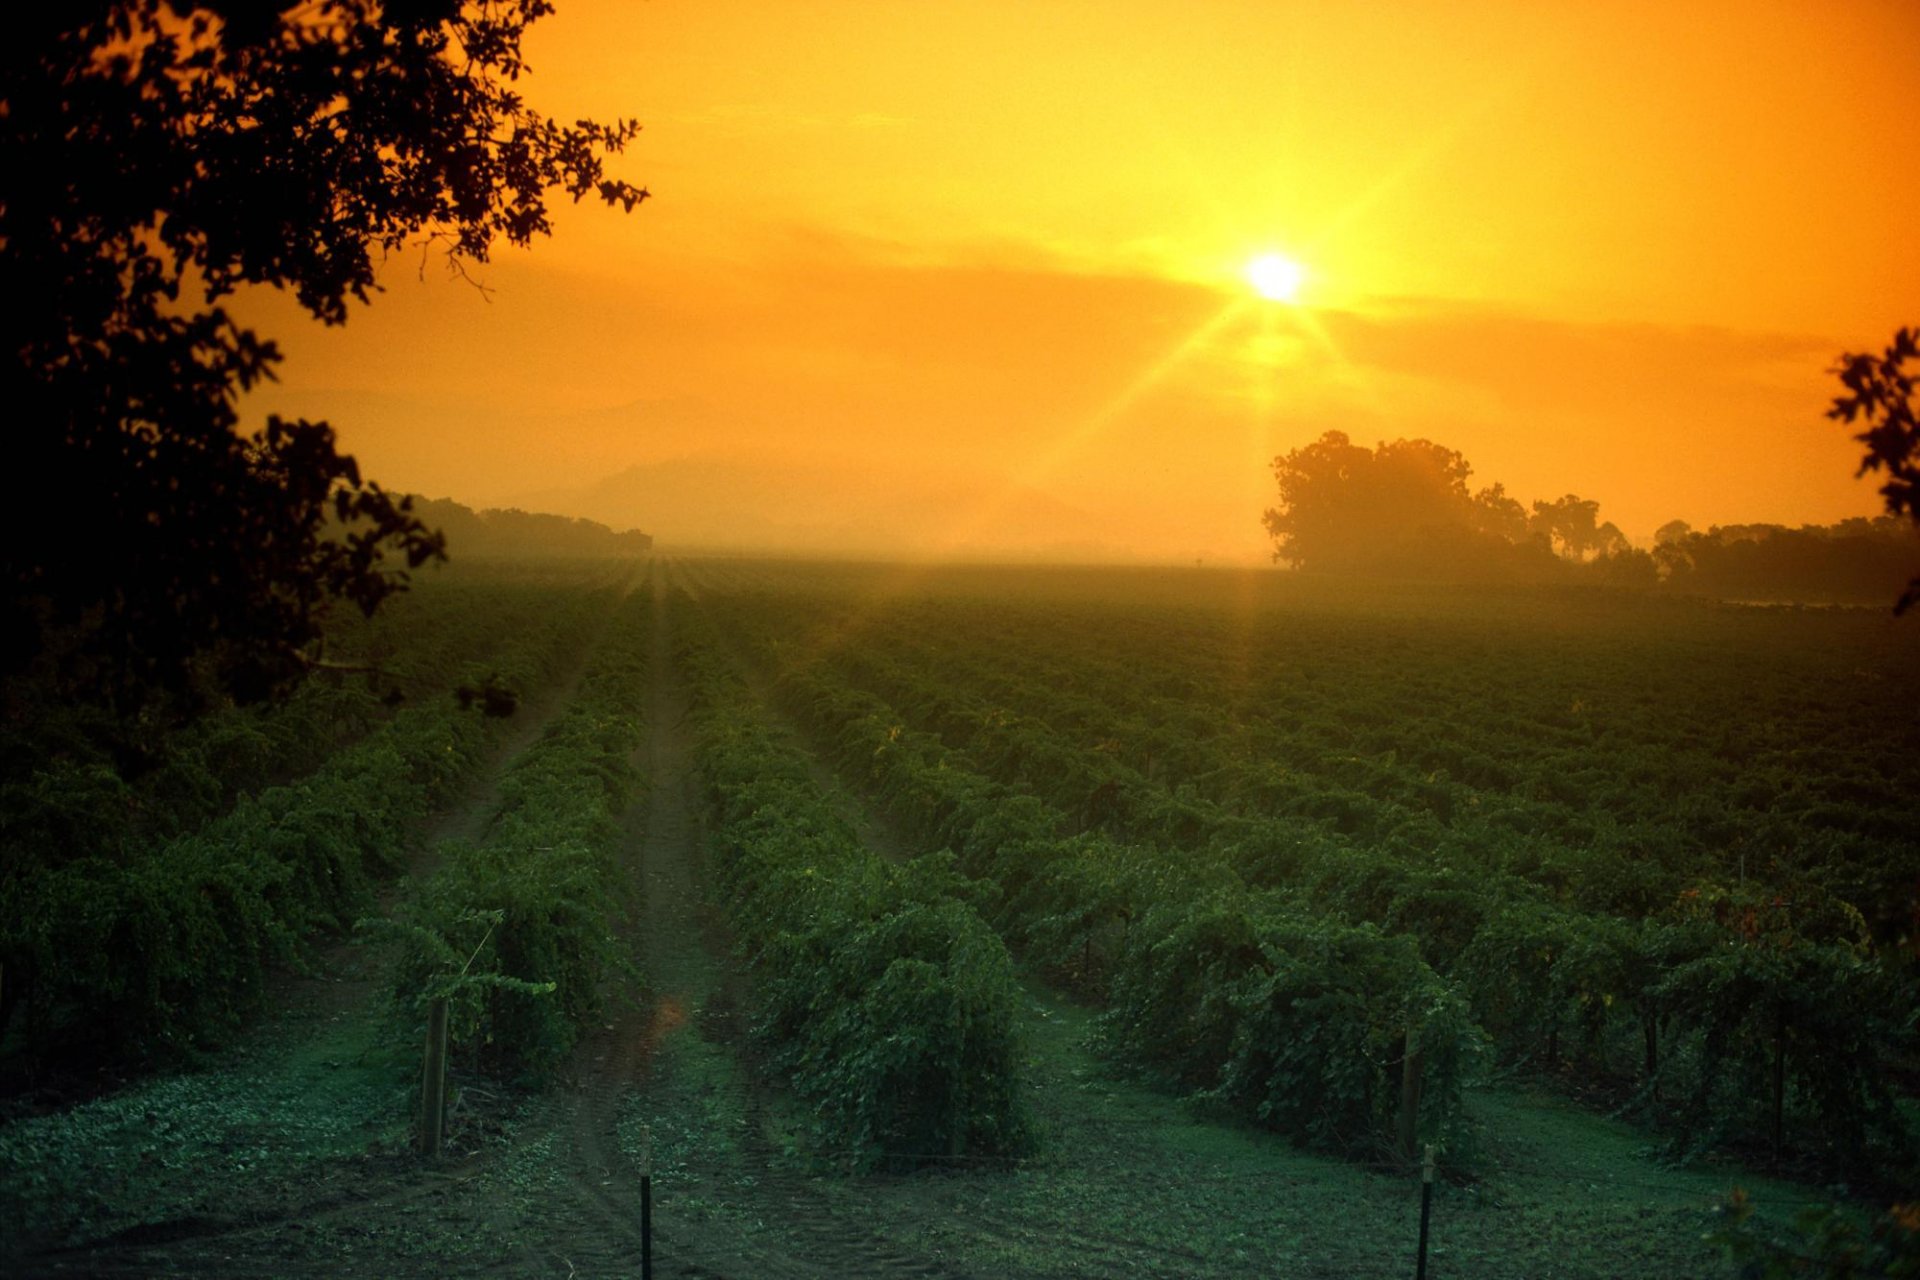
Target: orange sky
<point x="968" y="277"/>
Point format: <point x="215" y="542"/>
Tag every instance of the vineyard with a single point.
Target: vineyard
<point x="976" y="922"/>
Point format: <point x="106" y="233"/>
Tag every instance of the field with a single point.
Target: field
<point x="980" y="922"/>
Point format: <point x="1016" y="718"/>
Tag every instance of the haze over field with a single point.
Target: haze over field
<point x="972" y="278"/>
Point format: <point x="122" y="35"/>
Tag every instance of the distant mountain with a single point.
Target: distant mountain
<point x="835" y="506"/>
<point x="511" y="533"/>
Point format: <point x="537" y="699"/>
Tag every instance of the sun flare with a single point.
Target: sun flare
<point x="1276" y="276"/>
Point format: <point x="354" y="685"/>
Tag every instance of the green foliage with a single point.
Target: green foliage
<point x="517" y="930"/>
<point x="1823" y="1017"/>
<point x="129" y="953"/>
<point x="439" y="971"/>
<point x="885" y="1000"/>
<point x="124" y="938"/>
<point x="197" y="149"/>
<point x="1825" y="1242"/>
<point x="1879" y="393"/>
<point x="1552" y="852"/>
<point x="1296" y="1021"/>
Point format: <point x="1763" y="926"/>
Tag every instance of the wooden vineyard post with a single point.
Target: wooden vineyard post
<point x="433" y="1082"/>
<point x="646" y="1202"/>
<point x="1410" y="1082"/>
<point x="1426" y="1213"/>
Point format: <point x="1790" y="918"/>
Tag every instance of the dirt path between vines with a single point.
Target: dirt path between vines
<point x="730" y="1201"/>
<point x="1129" y="1182"/>
<point x="326" y="1012"/>
<point x="876" y="828"/>
<point x="594" y="1227"/>
<point x="551" y="1188"/>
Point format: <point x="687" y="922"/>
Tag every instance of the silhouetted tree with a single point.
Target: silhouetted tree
<point x="1312" y="479"/>
<point x="1670" y="556"/>
<point x="1671" y="532"/>
<point x="1856" y="560"/>
<point x="512" y="533"/>
<point x="1343" y="505"/>
<point x="1571" y="525"/>
<point x="156" y="155"/>
<point x="1402" y="508"/>
<point x="1625" y="565"/>
<point x="1497" y="514"/>
<point x="1879" y="392"/>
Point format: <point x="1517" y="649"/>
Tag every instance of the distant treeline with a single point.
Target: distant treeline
<point x="1404" y="509"/>
<point x="509" y="532"/>
<point x="1857" y="560"/>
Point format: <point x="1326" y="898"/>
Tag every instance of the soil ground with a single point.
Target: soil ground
<point x="288" y="1152"/>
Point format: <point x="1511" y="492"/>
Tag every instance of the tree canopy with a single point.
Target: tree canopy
<point x="1856" y="561"/>
<point x="1405" y="507"/>
<point x="513" y="534"/>
<point x="156" y="156"/>
<point x="1879" y="395"/>
<point x="1343" y="505"/>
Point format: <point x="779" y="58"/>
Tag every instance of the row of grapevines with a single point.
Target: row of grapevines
<point x="116" y="949"/>
<point x="1307" y="1024"/>
<point x="1618" y="761"/>
<point x="1729" y="1004"/>
<point x="76" y="786"/>
<point x="885" y="1000"/>
<point x="518" y="930"/>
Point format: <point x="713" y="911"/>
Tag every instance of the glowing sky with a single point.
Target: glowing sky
<point x="972" y="276"/>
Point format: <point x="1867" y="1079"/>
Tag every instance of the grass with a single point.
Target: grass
<point x="305" y="1122"/>
<point x="1132" y="1181"/>
<point x="319" y="1085"/>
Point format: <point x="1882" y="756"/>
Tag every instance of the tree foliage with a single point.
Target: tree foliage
<point x="1344" y="505"/>
<point x="1404" y="507"/>
<point x="1879" y="396"/>
<point x="1573" y="527"/>
<point x="1855" y="560"/>
<point x="159" y="155"/>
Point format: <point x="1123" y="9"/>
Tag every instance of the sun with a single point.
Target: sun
<point x="1276" y="276"/>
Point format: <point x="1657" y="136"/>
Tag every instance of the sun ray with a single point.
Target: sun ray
<point x="1436" y="143"/>
<point x="960" y="534"/>
<point x="1100" y="419"/>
